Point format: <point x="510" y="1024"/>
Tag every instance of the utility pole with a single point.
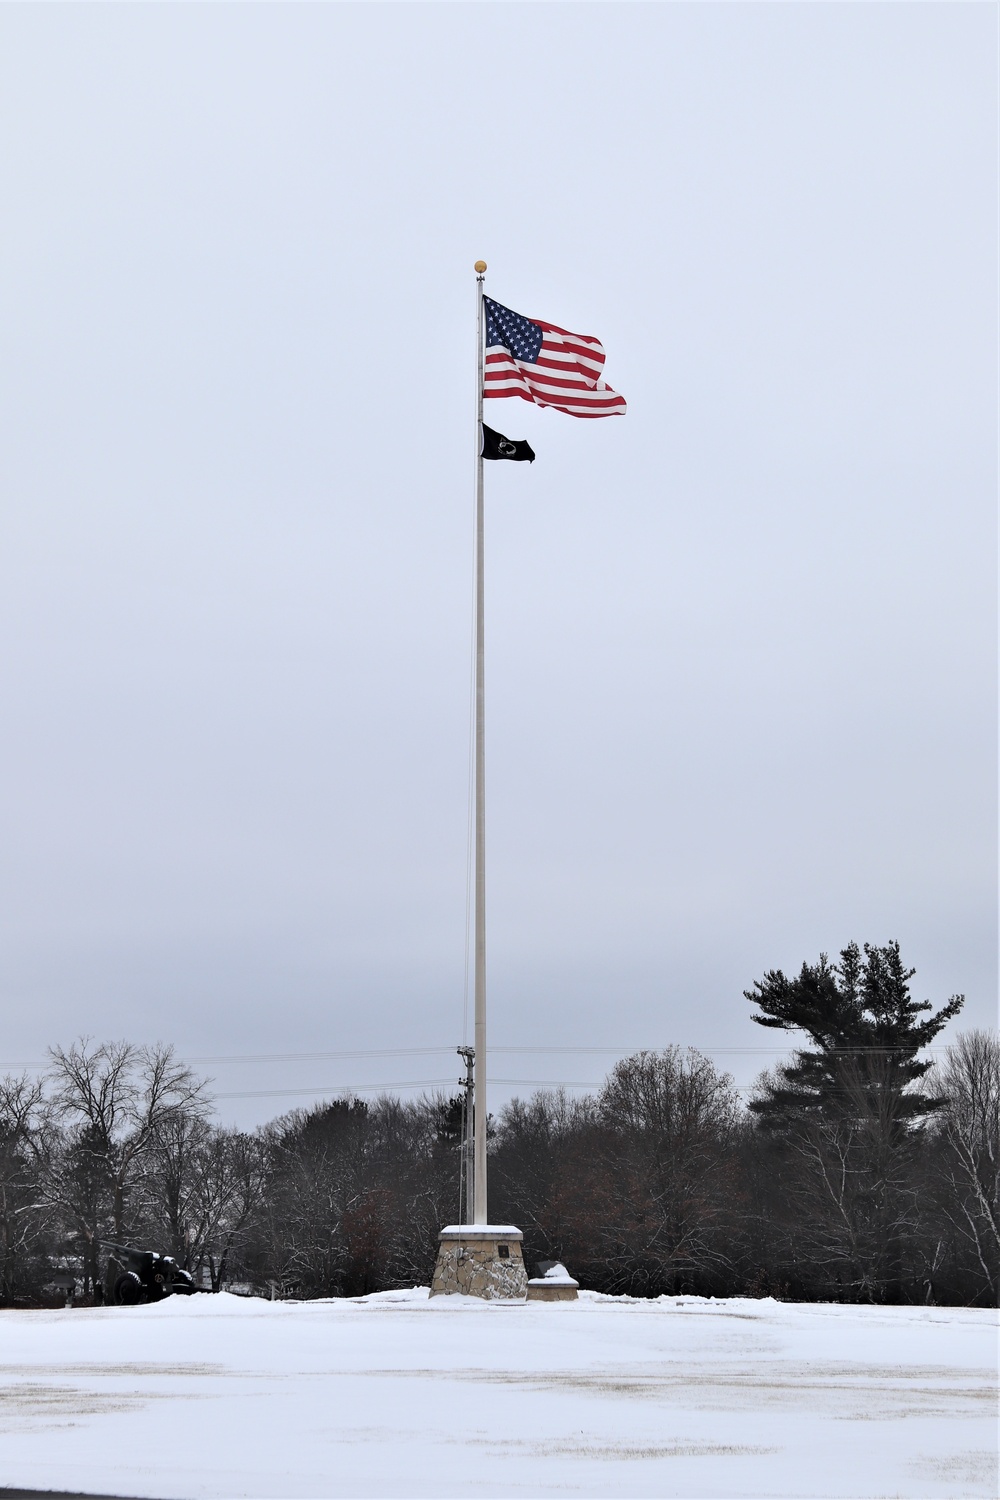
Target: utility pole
<point x="467" y="1170"/>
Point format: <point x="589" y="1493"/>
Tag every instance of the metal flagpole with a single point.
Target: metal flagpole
<point x="479" y="1215"/>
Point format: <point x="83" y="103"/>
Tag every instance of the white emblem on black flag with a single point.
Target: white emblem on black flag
<point x="495" y="445"/>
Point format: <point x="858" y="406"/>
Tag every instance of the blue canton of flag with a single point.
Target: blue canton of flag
<point x="512" y="332"/>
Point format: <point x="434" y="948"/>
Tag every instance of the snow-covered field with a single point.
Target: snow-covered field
<point x="395" y="1395"/>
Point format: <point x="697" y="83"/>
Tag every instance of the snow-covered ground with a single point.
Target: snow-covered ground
<point x="396" y="1395"/>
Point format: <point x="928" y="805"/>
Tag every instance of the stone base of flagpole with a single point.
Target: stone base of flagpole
<point x="480" y="1260"/>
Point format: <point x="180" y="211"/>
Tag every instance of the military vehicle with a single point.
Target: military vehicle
<point x="144" y="1276"/>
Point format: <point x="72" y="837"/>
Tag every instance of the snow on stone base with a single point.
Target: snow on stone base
<point x="481" y="1231"/>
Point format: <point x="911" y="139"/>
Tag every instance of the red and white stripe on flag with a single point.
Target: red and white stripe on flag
<point x="566" y="374"/>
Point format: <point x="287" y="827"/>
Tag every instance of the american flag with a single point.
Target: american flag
<point x="545" y="364"/>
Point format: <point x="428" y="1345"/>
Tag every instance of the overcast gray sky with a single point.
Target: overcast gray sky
<point x="741" y="643"/>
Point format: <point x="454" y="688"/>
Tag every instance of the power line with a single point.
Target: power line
<point x="391" y="1052"/>
<point x="341" y="1090"/>
<point x="337" y="1089"/>
<point x="411" y="1083"/>
<point x="253" y="1057"/>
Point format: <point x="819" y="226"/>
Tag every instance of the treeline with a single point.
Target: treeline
<point x="856" y="1171"/>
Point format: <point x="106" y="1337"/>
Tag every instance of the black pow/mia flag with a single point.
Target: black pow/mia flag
<point x="495" y="445"/>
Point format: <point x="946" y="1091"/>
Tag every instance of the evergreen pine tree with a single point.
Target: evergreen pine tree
<point x="866" y="1032"/>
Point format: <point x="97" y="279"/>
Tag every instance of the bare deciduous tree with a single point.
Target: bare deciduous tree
<point x="969" y="1079"/>
<point x="115" y="1097"/>
<point x="25" y="1212"/>
<point x="669" y="1118"/>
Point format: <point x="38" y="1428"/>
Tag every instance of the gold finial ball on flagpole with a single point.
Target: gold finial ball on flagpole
<point x="480" y="266"/>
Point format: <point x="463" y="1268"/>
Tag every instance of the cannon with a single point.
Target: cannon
<point x="146" y="1276"/>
